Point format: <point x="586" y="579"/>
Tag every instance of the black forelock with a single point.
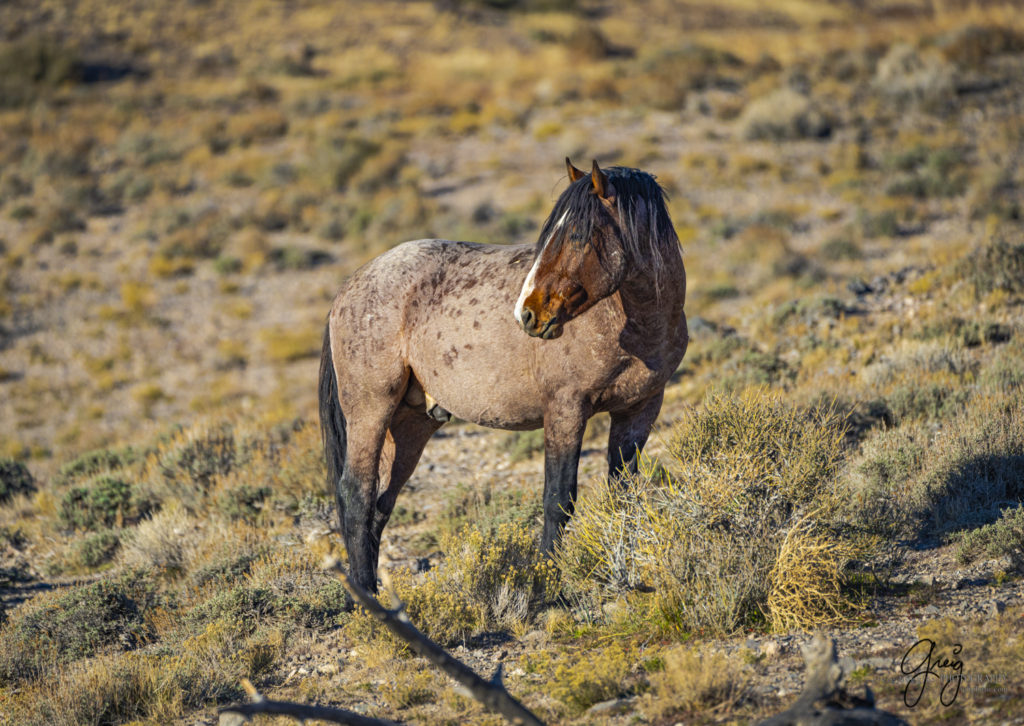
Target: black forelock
<point x="643" y="217"/>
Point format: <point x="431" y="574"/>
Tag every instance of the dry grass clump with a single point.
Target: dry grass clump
<point x="694" y="681"/>
<point x="107" y="689"/>
<point x="906" y="77"/>
<point x="166" y="541"/>
<point x="489" y="580"/>
<point x="749" y="480"/>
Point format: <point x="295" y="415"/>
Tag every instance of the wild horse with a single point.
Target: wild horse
<point x="600" y="298"/>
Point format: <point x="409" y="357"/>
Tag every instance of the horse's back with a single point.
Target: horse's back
<point x="442" y="312"/>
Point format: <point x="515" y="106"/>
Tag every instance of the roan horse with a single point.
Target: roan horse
<point x="433" y="326"/>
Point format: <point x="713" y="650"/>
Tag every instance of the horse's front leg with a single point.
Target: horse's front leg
<point x="564" y="424"/>
<point x="628" y="435"/>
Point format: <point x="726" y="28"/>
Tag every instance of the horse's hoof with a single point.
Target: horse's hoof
<point x="439" y="414"/>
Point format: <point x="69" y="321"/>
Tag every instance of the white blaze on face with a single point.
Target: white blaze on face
<point x="528" y="285"/>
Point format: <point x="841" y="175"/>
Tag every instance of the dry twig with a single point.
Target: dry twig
<point x="239" y="713"/>
<point x="491" y="694"/>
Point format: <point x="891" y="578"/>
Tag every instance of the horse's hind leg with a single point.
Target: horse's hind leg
<point x="357" y="490"/>
<point x="408" y="434"/>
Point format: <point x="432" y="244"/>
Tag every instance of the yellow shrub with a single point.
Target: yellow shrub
<point x="490" y="579"/>
<point x="699" y="681"/>
<point x="581" y="682"/>
<point x="807" y="580"/>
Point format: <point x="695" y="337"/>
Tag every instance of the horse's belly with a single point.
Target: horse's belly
<point x="478" y="390"/>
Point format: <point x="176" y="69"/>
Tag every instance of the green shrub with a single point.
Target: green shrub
<point x="886" y="463"/>
<point x="487" y="508"/>
<point x="95" y="462"/>
<point x="276" y="590"/>
<point x="926" y="401"/>
<point x="883" y="224"/>
<point x="77" y="623"/>
<point x="1005" y="536"/>
<point x="522" y="445"/>
<point x="243" y="502"/>
<point x="972" y="468"/>
<point x="753" y="367"/>
<point x="841" y="248"/>
<point x="1005" y="371"/>
<point x="998" y="265"/>
<point x="97" y="549"/>
<point x="15" y="478"/>
<point x="187" y="466"/>
<point x="33" y="64"/>
<point x="103" y="501"/>
<point x="965" y="333"/>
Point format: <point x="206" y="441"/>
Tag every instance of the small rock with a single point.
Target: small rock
<point x="995" y="607"/>
<point x="615" y="705"/>
<point x="927" y="580"/>
<point x="929" y="610"/>
<point x="771" y="649"/>
<point x="848" y="664"/>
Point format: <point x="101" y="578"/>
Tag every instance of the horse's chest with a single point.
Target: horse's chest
<point x="634" y="380"/>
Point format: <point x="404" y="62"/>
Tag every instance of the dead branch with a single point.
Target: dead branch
<point x="239" y="713"/>
<point x="491" y="694"/>
<point x="825" y="700"/>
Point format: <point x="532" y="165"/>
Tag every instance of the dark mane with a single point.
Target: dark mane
<point x="647" y="231"/>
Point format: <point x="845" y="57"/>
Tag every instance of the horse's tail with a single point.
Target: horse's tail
<point x="332" y="420"/>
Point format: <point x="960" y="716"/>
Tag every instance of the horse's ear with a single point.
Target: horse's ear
<point x="600" y="181"/>
<point x="574" y="173"/>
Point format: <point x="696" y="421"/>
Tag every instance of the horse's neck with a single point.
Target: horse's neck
<point x="653" y="306"/>
<point x="644" y="289"/>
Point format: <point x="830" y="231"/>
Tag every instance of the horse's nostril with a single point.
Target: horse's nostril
<point x="527" y="318"/>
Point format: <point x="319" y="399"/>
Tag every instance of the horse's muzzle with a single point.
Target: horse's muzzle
<point x="534" y="328"/>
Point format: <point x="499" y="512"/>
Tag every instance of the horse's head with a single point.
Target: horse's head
<point x="581" y="256"/>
